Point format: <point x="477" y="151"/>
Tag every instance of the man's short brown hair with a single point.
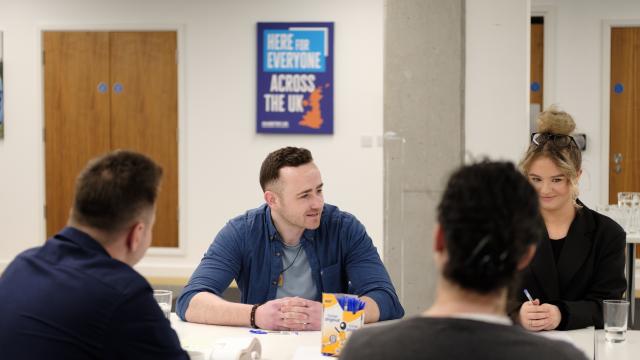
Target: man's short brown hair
<point x="114" y="189"/>
<point x="276" y="160"/>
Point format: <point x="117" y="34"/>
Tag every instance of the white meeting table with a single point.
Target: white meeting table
<point x="627" y="350"/>
<point x="582" y="339"/>
<point x="592" y="342"/>
<point x="275" y="345"/>
<point x="305" y="345"/>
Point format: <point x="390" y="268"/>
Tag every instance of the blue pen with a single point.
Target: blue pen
<point x="526" y="293"/>
<point x="272" y="332"/>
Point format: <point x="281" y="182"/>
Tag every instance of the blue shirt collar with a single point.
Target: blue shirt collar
<point x="271" y="228"/>
<point x="81" y="239"/>
<point x="308" y="234"/>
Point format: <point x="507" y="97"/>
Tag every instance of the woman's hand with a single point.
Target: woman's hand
<point x="536" y="317"/>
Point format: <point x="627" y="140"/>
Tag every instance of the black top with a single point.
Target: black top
<point x="451" y="338"/>
<point x="69" y="299"/>
<point x="590" y="268"/>
<point x="556" y="247"/>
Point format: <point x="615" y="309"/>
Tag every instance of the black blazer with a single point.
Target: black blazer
<point x="590" y="269"/>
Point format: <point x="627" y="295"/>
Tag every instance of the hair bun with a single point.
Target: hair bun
<point x="555" y="121"/>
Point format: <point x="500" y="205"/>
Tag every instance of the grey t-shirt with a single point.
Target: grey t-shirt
<point x="296" y="279"/>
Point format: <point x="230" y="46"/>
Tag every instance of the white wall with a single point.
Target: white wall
<point x="578" y="86"/>
<point x="220" y="153"/>
<point x="497" y="78"/>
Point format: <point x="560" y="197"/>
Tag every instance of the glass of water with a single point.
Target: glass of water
<point x="163" y="297"/>
<point x="616" y="314"/>
<point x="617" y="213"/>
<point x="628" y="199"/>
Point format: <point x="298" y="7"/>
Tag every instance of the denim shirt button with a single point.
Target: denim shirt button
<point x="278" y="254"/>
<point x="274" y="282"/>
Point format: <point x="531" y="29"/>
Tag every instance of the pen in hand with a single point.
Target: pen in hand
<point x="526" y="293"/>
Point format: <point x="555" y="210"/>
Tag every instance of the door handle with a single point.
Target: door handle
<point x="617" y="160"/>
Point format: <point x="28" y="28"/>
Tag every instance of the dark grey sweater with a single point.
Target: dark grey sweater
<point x="452" y="338"/>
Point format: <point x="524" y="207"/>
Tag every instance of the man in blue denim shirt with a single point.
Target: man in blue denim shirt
<point x="285" y="254"/>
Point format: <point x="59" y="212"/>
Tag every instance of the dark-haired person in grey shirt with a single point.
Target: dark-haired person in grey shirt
<point x="488" y="228"/>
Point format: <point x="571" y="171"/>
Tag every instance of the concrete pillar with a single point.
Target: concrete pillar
<point x="424" y="134"/>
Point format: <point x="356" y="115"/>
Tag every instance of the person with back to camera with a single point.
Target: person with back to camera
<point x="580" y="261"/>
<point x="78" y="295"/>
<point x="488" y="227"/>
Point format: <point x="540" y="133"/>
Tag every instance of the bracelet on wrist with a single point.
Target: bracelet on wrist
<point x="252" y="318"/>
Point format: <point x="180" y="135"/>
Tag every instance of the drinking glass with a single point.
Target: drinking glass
<point x="163" y="297"/>
<point x="616" y="314"/>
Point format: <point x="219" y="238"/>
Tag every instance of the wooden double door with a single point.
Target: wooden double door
<point x="624" y="138"/>
<point x="107" y="91"/>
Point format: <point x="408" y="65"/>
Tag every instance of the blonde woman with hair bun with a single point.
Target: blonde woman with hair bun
<point x="580" y="262"/>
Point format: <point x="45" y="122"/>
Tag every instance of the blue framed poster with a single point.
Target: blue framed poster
<point x="295" y="78"/>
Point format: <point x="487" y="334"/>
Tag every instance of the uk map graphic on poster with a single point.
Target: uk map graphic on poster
<point x="295" y="78"/>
